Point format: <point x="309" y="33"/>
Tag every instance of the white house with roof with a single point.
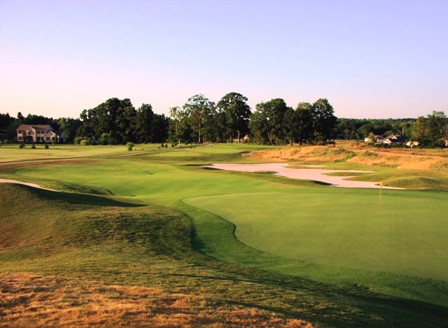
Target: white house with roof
<point x="36" y="133"/>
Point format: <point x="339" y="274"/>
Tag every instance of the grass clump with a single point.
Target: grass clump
<point x="419" y="182"/>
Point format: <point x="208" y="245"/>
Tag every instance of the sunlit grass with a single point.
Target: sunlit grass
<point x="175" y="247"/>
<point x="43" y="301"/>
<point x="11" y="152"/>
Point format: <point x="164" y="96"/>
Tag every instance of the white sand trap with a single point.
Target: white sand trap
<point x="314" y="174"/>
<point x="25" y="184"/>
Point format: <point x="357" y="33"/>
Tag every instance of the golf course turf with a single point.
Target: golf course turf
<point x="338" y="257"/>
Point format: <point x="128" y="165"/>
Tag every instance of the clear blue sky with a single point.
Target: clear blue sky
<point x="370" y="58"/>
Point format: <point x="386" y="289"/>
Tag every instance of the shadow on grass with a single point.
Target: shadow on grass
<point x="70" y="198"/>
<point x="385" y="311"/>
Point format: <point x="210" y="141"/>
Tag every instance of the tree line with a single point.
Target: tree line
<point x="9" y="125"/>
<point x="199" y="120"/>
<point x="117" y="122"/>
<point x="273" y="122"/>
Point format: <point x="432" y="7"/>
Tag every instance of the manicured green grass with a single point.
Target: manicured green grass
<point x="294" y="229"/>
<point x="404" y="239"/>
<point x="11" y="152"/>
<point x="345" y="228"/>
<point x="176" y="153"/>
<point x="322" y="226"/>
<point x="99" y="239"/>
<point x="206" y="154"/>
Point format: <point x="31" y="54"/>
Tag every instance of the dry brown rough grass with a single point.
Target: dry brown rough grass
<point x="29" y="300"/>
<point x="421" y="159"/>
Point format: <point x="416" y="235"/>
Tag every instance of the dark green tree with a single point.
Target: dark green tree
<point x="199" y="111"/>
<point x="237" y="115"/>
<point x="323" y="120"/>
<point x="5" y="120"/>
<point x="8" y="127"/>
<point x="218" y="130"/>
<point x="160" y="128"/>
<point x="115" y="118"/>
<point x="20" y="117"/>
<point x="68" y="128"/>
<point x="431" y="130"/>
<point x="144" y="126"/>
<point x="267" y="122"/>
<point x="298" y="123"/>
<point x="174" y="125"/>
<point x="87" y="124"/>
<point x="124" y="122"/>
<point x="37" y="119"/>
<point x="180" y="130"/>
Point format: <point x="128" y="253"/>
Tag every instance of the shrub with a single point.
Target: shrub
<point x="33" y="146"/>
<point x="84" y="142"/>
<point x="46" y="146"/>
<point x="22" y="145"/>
<point x="130" y="145"/>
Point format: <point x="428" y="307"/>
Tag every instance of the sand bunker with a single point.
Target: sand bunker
<point x="24" y="183"/>
<point x="314" y="174"/>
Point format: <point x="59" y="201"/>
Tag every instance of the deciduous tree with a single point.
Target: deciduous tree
<point x="237" y="114"/>
<point x="267" y="122"/>
<point x="144" y="125"/>
<point x="298" y="123"/>
<point x="199" y="110"/>
<point x="431" y="130"/>
<point x="114" y="117"/>
<point x="323" y="119"/>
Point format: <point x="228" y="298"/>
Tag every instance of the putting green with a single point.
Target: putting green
<point x="405" y="235"/>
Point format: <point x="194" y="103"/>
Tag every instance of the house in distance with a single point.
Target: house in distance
<point x="36" y="133"/>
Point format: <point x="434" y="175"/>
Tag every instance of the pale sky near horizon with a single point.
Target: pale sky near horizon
<point x="369" y="58"/>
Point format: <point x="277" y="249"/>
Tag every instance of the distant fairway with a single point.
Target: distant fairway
<point x="11" y="152"/>
<point x="176" y="154"/>
<point x="406" y="235"/>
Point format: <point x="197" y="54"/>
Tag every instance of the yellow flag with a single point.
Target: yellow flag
<point x="381" y="184"/>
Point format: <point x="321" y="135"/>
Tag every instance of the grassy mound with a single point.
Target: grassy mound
<point x="87" y="260"/>
<point x="419" y="182"/>
<point x="40" y="223"/>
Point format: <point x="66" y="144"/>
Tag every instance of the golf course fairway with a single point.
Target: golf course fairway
<point x="289" y="246"/>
